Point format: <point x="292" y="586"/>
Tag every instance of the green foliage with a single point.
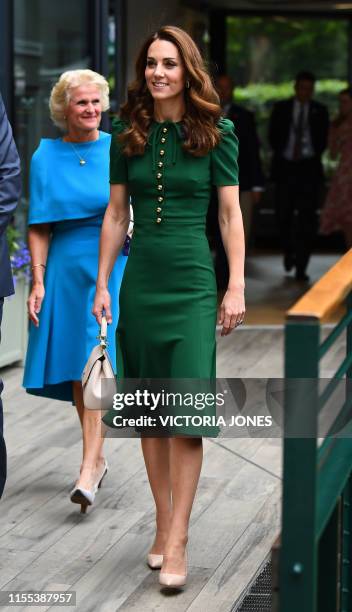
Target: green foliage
<point x="260" y="97"/>
<point x="273" y="49"/>
<point x="13" y="239"/>
<point x="265" y="53"/>
<point x="19" y="254"/>
<point x="258" y="94"/>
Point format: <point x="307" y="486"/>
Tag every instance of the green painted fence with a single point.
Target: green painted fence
<point x="314" y="556"/>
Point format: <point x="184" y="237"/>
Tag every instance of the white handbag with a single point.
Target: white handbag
<point x="98" y="378"/>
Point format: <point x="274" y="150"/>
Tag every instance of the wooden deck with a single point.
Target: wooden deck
<point x="45" y="544"/>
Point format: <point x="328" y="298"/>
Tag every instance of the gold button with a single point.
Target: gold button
<point x="161" y="152"/>
<point x="158" y="209"/>
<point x="160" y="187"/>
<point x="158" y="220"/>
<point x="163" y="139"/>
<point x="160" y="199"/>
<point x="159" y="175"/>
<point x="160" y="164"/>
<point x="164" y="130"/>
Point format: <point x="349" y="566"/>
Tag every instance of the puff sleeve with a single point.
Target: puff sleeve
<point x="118" y="161"/>
<point x="224" y="166"/>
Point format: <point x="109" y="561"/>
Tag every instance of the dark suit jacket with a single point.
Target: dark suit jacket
<point x="10" y="189"/>
<point x="250" y="170"/>
<point x="279" y="131"/>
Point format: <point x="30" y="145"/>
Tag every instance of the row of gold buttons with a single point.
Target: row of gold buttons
<point x="159" y="176"/>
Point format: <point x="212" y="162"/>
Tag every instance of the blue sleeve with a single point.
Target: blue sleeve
<point x="37" y="204"/>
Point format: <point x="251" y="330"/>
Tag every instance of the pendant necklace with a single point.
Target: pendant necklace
<point x="82" y="161"/>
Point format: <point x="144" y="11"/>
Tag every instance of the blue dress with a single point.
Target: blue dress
<point x="72" y="198"/>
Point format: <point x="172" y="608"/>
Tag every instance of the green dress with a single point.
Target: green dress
<point x="168" y="298"/>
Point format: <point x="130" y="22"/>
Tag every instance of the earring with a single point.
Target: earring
<point x="188" y="85"/>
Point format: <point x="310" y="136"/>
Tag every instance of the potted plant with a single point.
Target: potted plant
<point x="14" y="326"/>
<point x="19" y="255"/>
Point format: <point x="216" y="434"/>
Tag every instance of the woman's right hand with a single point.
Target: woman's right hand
<point x="34" y="302"/>
<point x="102" y="302"/>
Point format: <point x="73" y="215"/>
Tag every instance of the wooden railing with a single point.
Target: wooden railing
<point x="312" y="560"/>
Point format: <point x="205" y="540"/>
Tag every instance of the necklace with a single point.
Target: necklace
<point x="82" y="162"/>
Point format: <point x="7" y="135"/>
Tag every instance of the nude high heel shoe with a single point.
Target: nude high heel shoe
<point x="155" y="561"/>
<point x="173" y="581"/>
<point x="102" y="474"/>
<point x="86" y="497"/>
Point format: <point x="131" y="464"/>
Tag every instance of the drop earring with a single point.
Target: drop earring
<point x="188" y="85"/>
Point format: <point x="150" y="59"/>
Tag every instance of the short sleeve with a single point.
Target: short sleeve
<point x="118" y="161"/>
<point x="224" y="165"/>
<point x="37" y="211"/>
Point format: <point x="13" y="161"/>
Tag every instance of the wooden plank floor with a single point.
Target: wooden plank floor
<point x="270" y="291"/>
<point x="46" y="544"/>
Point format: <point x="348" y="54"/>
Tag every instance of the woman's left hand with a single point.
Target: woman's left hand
<point x="232" y="310"/>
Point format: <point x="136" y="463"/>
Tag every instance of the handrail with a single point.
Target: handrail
<point x="336" y="332"/>
<point x="315" y="557"/>
<point x="327" y="294"/>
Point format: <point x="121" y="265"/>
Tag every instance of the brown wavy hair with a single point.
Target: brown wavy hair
<point x="201" y="99"/>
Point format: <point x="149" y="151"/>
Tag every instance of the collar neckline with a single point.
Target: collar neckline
<point x="167" y="122"/>
<point x="83" y="142"/>
<point x="156" y="132"/>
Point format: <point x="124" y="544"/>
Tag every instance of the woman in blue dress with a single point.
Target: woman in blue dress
<point x="69" y="192"/>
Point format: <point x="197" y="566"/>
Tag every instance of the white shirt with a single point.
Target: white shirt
<point x="307" y="147"/>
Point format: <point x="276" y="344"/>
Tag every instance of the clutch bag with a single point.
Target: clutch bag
<point x="98" y="378"/>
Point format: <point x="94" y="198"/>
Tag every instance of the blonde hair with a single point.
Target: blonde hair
<point x="60" y="93"/>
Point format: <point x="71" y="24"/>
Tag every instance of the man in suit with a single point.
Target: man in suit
<point x="251" y="178"/>
<point x="298" y="132"/>
<point x="10" y="188"/>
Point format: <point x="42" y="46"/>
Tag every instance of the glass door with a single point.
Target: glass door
<point x="49" y="38"/>
<point x="263" y="56"/>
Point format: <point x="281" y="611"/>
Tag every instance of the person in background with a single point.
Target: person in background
<point x="337" y="212"/>
<point x="10" y="189"/>
<point x="298" y="131"/>
<point x="251" y="178"/>
<point x="69" y="192"/>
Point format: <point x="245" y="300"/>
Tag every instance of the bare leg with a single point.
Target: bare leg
<point x="93" y="458"/>
<point x="186" y="455"/>
<point x="156" y="457"/>
<point x="78" y="398"/>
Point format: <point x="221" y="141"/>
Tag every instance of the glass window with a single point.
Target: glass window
<point x="265" y="53"/>
<point x="50" y="37"/>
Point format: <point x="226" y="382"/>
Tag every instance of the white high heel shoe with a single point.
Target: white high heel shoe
<point x="155" y="561"/>
<point x="173" y="581"/>
<point x="102" y="474"/>
<point x="86" y="497"/>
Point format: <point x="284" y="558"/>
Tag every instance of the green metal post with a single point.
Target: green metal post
<point x="329" y="563"/>
<point x="346" y="557"/>
<point x="298" y="562"/>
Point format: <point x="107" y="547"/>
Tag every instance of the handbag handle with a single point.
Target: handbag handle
<point x="103" y="333"/>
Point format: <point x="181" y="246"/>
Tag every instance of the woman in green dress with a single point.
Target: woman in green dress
<point x="169" y="147"/>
